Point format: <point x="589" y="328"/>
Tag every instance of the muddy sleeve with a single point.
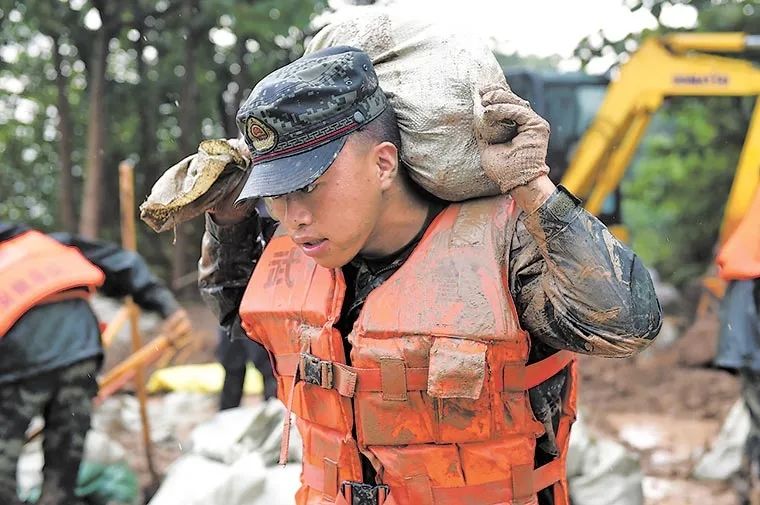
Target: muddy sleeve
<point x="228" y="255"/>
<point x="576" y="287"/>
<point x="126" y="273"/>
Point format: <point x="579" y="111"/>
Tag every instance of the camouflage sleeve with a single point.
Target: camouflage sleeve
<point x="576" y="287"/>
<point x="228" y="255"/>
<point x="126" y="273"/>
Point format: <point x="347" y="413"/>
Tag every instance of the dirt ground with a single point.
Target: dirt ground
<point x="665" y="412"/>
<point x="668" y="415"/>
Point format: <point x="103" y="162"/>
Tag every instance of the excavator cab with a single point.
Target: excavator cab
<point x="569" y="101"/>
<point x="597" y="124"/>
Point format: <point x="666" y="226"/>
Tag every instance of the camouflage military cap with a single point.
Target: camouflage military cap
<point x="296" y="120"/>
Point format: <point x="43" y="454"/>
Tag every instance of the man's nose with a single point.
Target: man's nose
<point x="296" y="213"/>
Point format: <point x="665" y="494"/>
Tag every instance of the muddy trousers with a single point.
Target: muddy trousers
<point x="63" y="398"/>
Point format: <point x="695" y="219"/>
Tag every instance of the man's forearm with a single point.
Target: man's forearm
<point x="228" y="255"/>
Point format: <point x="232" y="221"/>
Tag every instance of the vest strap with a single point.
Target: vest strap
<point x="71" y="294"/>
<point x="525" y="377"/>
<point x="285" y="442"/>
<point x="323" y="479"/>
<point x="547" y="475"/>
<point x="346" y="380"/>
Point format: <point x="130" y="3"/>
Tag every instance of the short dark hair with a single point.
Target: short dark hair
<point x="384" y="128"/>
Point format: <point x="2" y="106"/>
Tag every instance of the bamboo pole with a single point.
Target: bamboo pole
<point x="121" y="373"/>
<point x="129" y="242"/>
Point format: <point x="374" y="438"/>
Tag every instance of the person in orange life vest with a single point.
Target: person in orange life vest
<point x="426" y="347"/>
<point x="739" y="342"/>
<point x="50" y="349"/>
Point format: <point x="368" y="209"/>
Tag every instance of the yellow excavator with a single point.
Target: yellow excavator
<point x="671" y="65"/>
<point x="599" y="147"/>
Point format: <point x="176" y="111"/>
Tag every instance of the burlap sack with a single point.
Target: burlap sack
<point x="194" y="185"/>
<point x="432" y="75"/>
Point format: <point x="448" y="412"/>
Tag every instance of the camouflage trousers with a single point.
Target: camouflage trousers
<point x="63" y="398"/>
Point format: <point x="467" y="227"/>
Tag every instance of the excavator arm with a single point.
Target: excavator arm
<point x="673" y="65"/>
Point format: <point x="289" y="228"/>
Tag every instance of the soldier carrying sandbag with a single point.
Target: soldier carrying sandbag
<point x="426" y="347"/>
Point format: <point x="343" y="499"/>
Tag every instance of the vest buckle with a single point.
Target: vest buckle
<point x="316" y="371"/>
<point x="358" y="493"/>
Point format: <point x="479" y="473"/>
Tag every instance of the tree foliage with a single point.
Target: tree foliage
<point x="175" y="72"/>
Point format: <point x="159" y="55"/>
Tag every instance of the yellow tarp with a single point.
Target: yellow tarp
<point x="206" y="378"/>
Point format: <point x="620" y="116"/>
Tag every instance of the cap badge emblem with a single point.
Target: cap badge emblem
<point x="261" y="136"/>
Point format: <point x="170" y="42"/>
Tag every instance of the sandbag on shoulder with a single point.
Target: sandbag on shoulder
<point x="432" y="76"/>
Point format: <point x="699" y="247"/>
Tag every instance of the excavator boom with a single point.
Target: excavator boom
<point x="672" y="65"/>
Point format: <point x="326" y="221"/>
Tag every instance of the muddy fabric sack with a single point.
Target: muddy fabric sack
<point x="194" y="185"/>
<point x="431" y="75"/>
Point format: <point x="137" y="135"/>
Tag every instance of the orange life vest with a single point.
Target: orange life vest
<point x="36" y="269"/>
<point x="739" y="258"/>
<point x="436" y="396"/>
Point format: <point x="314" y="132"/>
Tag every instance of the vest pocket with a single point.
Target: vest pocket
<point x="518" y="414"/>
<point x="393" y="422"/>
<point x="452" y="406"/>
<point x="456" y="380"/>
<point x="457" y="368"/>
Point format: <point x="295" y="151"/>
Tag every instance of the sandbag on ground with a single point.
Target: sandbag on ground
<point x="601" y="471"/>
<point x="431" y="75"/>
<point x="189" y="477"/>
<point x="724" y="458"/>
<point x="239" y="449"/>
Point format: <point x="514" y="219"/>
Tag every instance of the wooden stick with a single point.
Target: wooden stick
<point x="147" y="354"/>
<point x="114" y="325"/>
<point x="129" y="242"/>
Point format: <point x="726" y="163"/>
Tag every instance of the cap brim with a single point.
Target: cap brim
<point x="281" y="176"/>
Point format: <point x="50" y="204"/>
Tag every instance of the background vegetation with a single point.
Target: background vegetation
<point x="85" y="84"/>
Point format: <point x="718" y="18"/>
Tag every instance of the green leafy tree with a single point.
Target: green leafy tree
<point x="146" y="82"/>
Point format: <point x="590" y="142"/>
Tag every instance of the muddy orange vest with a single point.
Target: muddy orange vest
<point x="436" y="394"/>
<point x="739" y="258"/>
<point x="36" y="269"/>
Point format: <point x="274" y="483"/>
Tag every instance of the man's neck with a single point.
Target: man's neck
<point x="399" y="224"/>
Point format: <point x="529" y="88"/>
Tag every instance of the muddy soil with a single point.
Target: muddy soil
<point x="667" y="413"/>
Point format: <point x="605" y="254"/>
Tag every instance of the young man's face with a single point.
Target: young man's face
<point x="335" y="218"/>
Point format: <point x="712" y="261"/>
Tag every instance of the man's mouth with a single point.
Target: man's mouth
<point x="312" y="246"/>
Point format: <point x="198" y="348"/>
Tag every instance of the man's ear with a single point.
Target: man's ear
<point x="386" y="160"/>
